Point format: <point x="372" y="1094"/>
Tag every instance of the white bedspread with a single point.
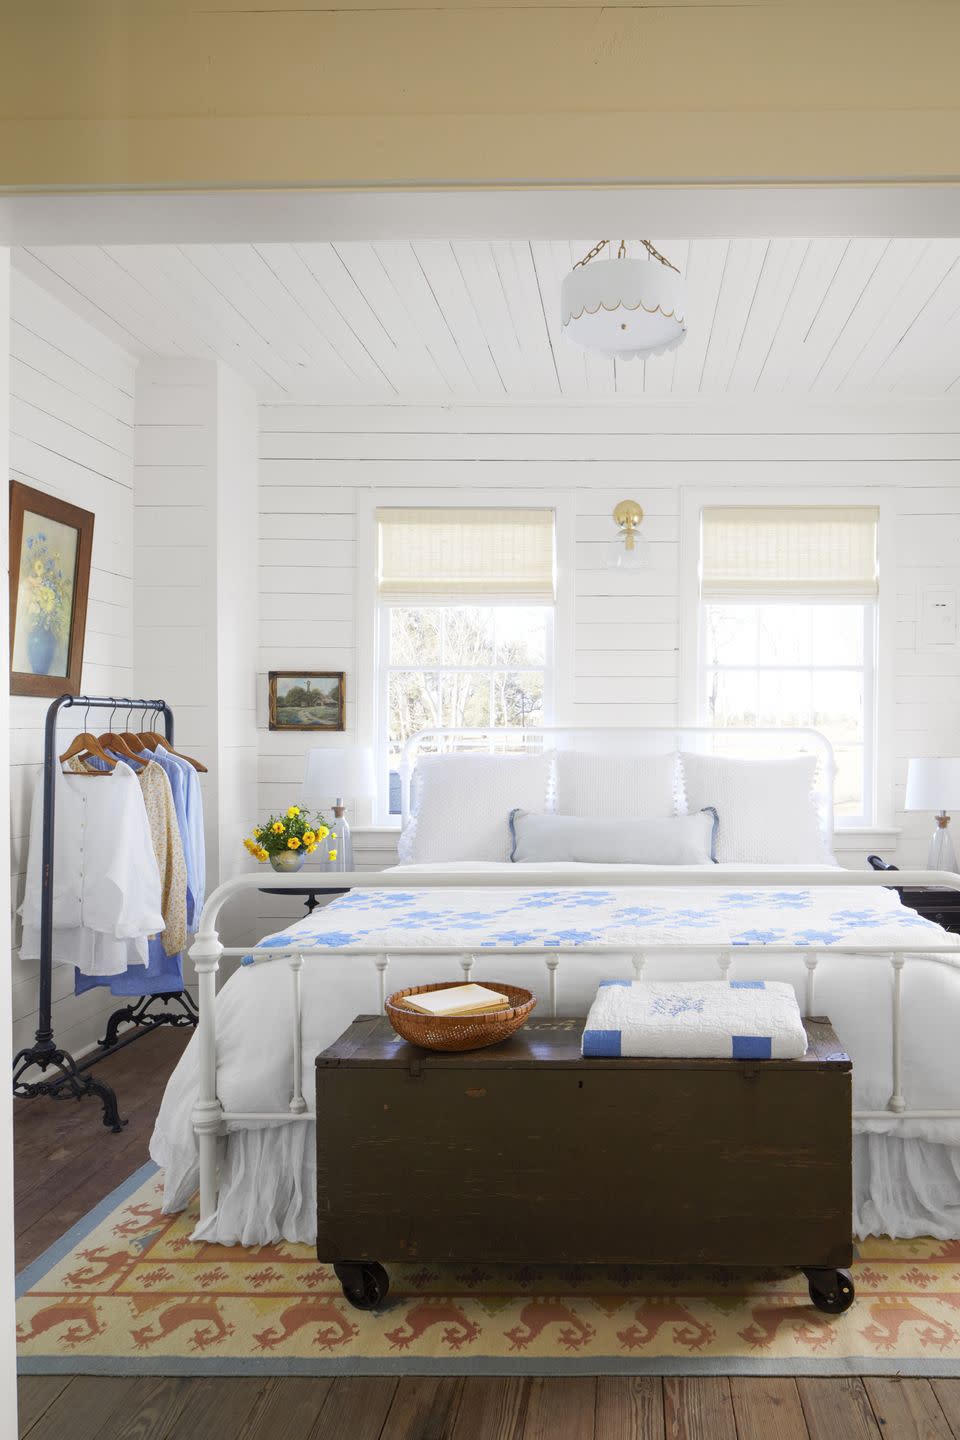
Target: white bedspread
<point x="267" y="1180"/>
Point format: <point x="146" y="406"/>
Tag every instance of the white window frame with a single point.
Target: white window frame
<point x="878" y="655"/>
<point x="868" y="667"/>
<point x="372" y="642"/>
<point x="385" y="668"/>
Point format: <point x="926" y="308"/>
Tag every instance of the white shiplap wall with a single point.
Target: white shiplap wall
<point x="175" y="528"/>
<point x="71" y="421"/>
<point x="626" y="634"/>
<point x="195" y="607"/>
<point x="237" y="616"/>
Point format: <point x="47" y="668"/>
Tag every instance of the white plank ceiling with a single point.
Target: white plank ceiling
<point x="438" y="322"/>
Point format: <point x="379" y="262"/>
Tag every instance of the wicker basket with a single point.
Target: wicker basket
<point x="459" y="1032"/>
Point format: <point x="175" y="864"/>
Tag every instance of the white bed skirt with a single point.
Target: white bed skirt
<point x="268" y="1187"/>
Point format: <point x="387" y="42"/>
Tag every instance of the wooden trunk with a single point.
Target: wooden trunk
<point x="528" y="1153"/>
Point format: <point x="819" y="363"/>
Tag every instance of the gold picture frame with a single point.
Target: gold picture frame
<point x="307" y="700"/>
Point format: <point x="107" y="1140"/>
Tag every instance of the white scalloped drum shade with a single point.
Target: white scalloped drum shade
<point x="628" y="308"/>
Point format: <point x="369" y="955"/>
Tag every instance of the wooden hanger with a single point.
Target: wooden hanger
<point x="120" y="746"/>
<point x="130" y="738"/>
<point x="87" y="744"/>
<point x="152" y="741"/>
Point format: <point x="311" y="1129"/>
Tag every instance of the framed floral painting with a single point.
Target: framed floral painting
<point x="50" y="547"/>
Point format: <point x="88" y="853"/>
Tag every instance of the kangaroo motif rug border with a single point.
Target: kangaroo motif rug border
<point x="127" y="1292"/>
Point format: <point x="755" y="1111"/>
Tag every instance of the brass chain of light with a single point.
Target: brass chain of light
<point x="591" y="254"/>
<point x="655" y="254"/>
<point x="651" y="250"/>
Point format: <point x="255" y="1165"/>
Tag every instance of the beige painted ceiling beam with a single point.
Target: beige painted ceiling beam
<point x="203" y="92"/>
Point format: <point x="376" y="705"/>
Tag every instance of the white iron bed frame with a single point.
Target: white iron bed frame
<point x="210" y="1119"/>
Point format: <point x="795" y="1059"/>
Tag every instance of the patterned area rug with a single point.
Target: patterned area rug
<point x="128" y="1292"/>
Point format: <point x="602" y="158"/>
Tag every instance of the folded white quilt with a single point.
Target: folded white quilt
<point x="696" y="1019"/>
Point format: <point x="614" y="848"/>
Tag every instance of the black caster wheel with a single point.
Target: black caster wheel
<point x="365" y="1283"/>
<point x="831" y="1290"/>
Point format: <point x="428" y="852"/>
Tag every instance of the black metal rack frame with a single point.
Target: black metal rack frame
<point x="70" y="1079"/>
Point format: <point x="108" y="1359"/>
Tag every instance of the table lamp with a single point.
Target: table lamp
<point x="337" y="771"/>
<point x="933" y="783"/>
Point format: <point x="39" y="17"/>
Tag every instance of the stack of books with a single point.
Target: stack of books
<point x="457" y="1000"/>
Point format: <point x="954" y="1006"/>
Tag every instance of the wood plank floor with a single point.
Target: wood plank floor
<point x="66" y="1162"/>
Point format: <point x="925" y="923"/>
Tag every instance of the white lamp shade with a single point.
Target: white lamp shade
<point x="933" y="783"/>
<point x="345" y="770"/>
<point x="627" y="307"/>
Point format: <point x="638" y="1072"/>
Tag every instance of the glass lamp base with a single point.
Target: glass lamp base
<point x="942" y="855"/>
<point x="341" y="840"/>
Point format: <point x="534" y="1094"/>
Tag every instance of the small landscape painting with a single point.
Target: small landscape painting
<point x="306" y="700"/>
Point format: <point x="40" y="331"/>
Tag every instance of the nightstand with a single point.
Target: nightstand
<point x="933" y="902"/>
<point x="311" y="892"/>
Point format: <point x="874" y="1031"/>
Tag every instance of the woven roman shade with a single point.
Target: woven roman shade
<point x="470" y="553"/>
<point x="753" y="551"/>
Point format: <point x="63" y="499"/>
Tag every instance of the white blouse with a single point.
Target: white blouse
<point x="106" y="886"/>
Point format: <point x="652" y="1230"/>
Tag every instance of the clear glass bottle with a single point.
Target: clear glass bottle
<point x="339" y="840"/>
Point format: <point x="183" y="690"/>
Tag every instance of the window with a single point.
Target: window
<point x="465" y="626"/>
<point x="788" y="621"/>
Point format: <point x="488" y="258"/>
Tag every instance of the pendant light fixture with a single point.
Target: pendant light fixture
<point x="624" y="307"/>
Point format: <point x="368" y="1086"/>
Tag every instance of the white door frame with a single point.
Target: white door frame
<point x="120" y="217"/>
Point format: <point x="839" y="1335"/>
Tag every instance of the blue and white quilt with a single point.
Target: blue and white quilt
<point x="695" y="1019"/>
<point x="410" y="923"/>
<point x="474" y="920"/>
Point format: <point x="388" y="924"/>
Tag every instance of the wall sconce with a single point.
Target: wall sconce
<point x="628" y="550"/>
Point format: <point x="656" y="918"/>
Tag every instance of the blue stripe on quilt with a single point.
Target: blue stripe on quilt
<point x="751" y="1047"/>
<point x="599" y="1043"/>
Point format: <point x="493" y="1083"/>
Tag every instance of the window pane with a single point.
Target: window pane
<point x="731" y="697"/>
<point x="782" y="684"/>
<point x="467" y="635"/>
<point x="414" y="704"/>
<point x="838" y="705"/>
<point x="521" y="635"/>
<point x="838" y="634"/>
<point x="460" y="667"/>
<point x="784" y="634"/>
<point x="518" y="698"/>
<point x="730" y="634"/>
<point x="848" y="782"/>
<point x="414" y="635"/>
<point x="783" y="698"/>
<point x="466" y="701"/>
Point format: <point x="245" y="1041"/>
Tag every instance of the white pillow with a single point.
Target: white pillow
<point x="767" y="809"/>
<point x="616" y="786"/>
<point x="673" y="840"/>
<point x="463" y="804"/>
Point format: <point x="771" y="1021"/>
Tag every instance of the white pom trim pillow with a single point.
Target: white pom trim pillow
<point x="616" y="787"/>
<point x="767" y="808"/>
<point x="463" y="804"/>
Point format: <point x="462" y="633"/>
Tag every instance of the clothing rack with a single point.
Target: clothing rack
<point x="70" y="1079"/>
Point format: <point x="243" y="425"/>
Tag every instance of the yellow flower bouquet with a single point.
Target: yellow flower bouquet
<point x="286" y="839"/>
